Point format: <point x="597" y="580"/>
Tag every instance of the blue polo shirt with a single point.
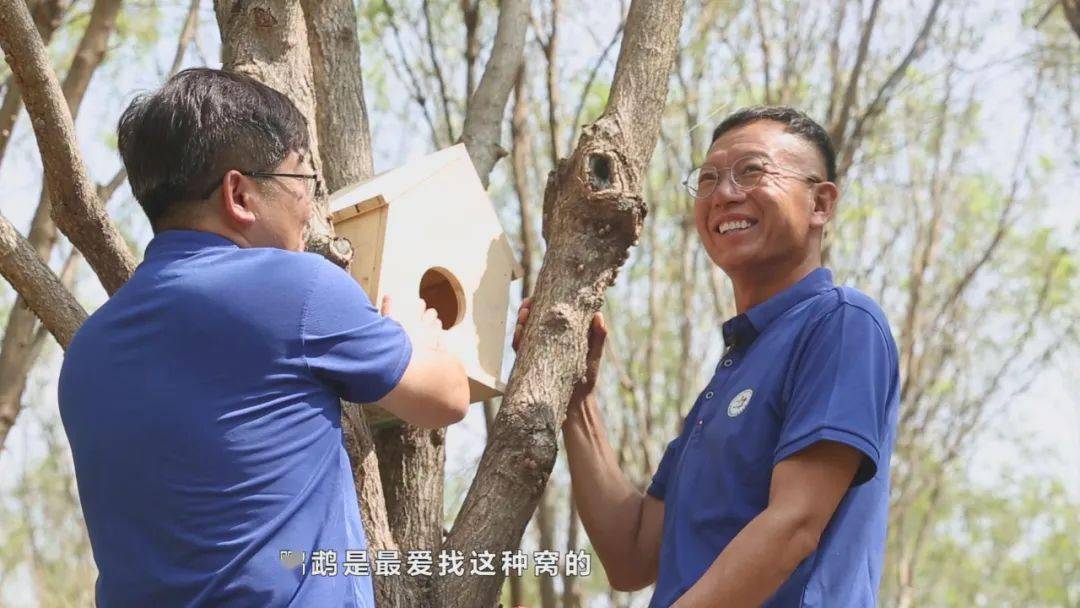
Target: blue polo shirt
<point x="201" y="403"/>
<point x="814" y="362"/>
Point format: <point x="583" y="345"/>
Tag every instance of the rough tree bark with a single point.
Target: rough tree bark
<point x="267" y="40"/>
<point x="593" y="212"/>
<point x="344" y="137"/>
<point x="75" y="205"/>
<point x="38" y="285"/>
<point x="48" y="14"/>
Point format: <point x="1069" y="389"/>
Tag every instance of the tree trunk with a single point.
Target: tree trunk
<point x="342" y="123"/>
<point x="593" y="213"/>
<point x="76" y="208"/>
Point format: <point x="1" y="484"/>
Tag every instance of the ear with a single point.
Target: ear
<point x="237" y="201"/>
<point x="823" y="197"/>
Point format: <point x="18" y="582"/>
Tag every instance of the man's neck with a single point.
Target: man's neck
<point x="203" y="225"/>
<point x="756" y="286"/>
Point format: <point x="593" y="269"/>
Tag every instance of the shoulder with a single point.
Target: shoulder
<point x="844" y="308"/>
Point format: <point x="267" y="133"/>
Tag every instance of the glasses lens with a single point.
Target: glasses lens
<point x="702" y="181"/>
<point x="748" y="171"/>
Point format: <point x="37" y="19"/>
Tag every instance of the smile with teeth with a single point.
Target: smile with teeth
<point x="733" y="226"/>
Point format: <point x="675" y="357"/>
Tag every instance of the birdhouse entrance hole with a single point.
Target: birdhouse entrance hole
<point x="441" y="290"/>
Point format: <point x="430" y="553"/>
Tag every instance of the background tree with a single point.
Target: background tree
<point x="952" y="217"/>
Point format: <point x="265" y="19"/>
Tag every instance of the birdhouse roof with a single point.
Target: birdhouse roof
<point x="395" y="185"/>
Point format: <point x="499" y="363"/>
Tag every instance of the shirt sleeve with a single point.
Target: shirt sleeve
<point x="839" y="387"/>
<point x="658" y="487"/>
<point x="347" y="344"/>
<point x="670" y="459"/>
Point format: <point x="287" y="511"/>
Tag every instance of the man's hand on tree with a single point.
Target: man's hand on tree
<point x="597" y="337"/>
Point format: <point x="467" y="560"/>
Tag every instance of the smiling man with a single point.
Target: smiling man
<point x="202" y="401"/>
<point x="775" y="492"/>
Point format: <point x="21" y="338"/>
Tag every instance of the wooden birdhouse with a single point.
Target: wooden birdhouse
<point x="429" y="229"/>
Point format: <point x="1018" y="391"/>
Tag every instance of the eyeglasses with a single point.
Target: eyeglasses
<point x="745" y="174"/>
<point x="313" y="183"/>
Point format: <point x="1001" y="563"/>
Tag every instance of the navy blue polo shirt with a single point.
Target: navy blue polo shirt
<point x="201" y="403"/>
<point x="814" y="362"/>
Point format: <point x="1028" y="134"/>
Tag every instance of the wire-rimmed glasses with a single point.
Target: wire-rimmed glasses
<point x="745" y="173"/>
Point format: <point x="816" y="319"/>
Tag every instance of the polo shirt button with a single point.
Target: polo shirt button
<point x="709" y="395"/>
<point x="727" y="362"/>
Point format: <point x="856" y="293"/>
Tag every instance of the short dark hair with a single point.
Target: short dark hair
<point x="176" y="141"/>
<point x="796" y="122"/>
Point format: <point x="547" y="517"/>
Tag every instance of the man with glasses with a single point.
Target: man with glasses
<point x="775" y="492"/>
<point x="202" y="401"/>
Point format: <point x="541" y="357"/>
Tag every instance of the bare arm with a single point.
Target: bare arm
<point x="805" y="491"/>
<point x="624" y="524"/>
<point x="434" y="390"/>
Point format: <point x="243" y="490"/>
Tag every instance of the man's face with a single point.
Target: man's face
<point x="773" y="224"/>
<point x="283" y="207"/>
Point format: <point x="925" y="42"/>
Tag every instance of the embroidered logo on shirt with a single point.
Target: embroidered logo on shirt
<point x="739" y="403"/>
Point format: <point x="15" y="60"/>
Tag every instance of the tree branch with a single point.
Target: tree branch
<point x="48" y="15"/>
<point x="38" y="285"/>
<point x="881" y="99"/>
<point x="20" y="349"/>
<point x="187" y="34"/>
<point x="592" y="78"/>
<point x="437" y="68"/>
<point x="839" y="126"/>
<point x="76" y="209"/>
<point x="483" y="121"/>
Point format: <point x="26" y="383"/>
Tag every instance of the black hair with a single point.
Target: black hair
<point x="796" y="122"/>
<point x="178" y="140"/>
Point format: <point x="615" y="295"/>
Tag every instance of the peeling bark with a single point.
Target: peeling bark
<point x="593" y="212"/>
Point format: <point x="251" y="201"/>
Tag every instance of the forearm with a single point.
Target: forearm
<point x="754" y="564"/>
<point x="610" y="506"/>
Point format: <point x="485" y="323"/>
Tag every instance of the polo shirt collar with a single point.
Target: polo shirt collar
<point x="184" y="241"/>
<point x="745" y="328"/>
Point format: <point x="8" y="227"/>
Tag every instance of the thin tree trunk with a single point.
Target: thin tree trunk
<point x="593" y="213"/>
<point x="571" y="596"/>
<point x="76" y="208"/>
<point x="483" y="122"/>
